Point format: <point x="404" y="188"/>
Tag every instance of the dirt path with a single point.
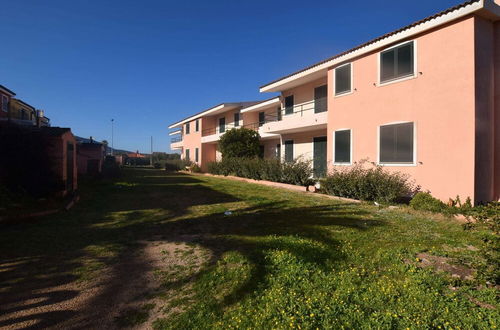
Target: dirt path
<point x="132" y="293"/>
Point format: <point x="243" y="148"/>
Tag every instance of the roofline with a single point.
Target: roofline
<point x="210" y="110"/>
<point x="24" y="103"/>
<point x="8" y="91"/>
<point x="428" y="23"/>
<point x="261" y="104"/>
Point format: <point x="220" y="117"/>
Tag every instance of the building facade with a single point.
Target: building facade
<point x="423" y="100"/>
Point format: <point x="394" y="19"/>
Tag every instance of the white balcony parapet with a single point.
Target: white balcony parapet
<point x="301" y="117"/>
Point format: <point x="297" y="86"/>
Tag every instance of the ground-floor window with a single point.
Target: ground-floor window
<point x="187" y="154"/>
<point x="396" y="144"/>
<point x="196" y="152"/>
<point x="342" y="146"/>
<point x="288" y="150"/>
<point x="278" y="151"/>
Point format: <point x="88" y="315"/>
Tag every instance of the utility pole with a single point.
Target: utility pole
<point x="151" y="157"/>
<point x="112" y="138"/>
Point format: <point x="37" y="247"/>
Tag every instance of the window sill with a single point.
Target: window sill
<point x="397" y="164"/>
<point x="343" y="94"/>
<point x="342" y="164"/>
<point x="389" y="82"/>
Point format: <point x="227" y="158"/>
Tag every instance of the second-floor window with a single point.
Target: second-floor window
<point x="197" y="125"/>
<point x="236" y="119"/>
<point x="187" y="128"/>
<point x="343" y="79"/>
<point x="5" y="103"/>
<point x="289" y="105"/>
<point x="222" y="125"/>
<point x="397" y="62"/>
<point x="24" y="114"/>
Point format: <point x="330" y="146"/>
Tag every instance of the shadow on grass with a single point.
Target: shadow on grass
<point x="41" y="261"/>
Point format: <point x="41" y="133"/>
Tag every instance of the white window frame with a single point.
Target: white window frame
<point x="414" y="145"/>
<point x="350" y="151"/>
<point x="197" y="125"/>
<point x="415" y="62"/>
<point x="186" y="130"/>
<point x="335" y="81"/>
<point x="6" y="99"/>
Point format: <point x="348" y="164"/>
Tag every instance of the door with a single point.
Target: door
<point x="320" y="100"/>
<point x="222" y="125"/>
<point x="69" y="166"/>
<point x="262" y="118"/>
<point x="319" y="157"/>
<point x="288" y="150"/>
<point x="289" y="103"/>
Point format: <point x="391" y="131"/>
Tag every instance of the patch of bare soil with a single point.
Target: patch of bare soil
<point x="131" y="293"/>
<point x="444" y="264"/>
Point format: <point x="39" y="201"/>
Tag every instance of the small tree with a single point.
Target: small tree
<point x="240" y="142"/>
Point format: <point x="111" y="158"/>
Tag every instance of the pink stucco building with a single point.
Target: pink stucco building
<point x="423" y="100"/>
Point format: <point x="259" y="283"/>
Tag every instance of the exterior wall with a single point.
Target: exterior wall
<point x="497" y="111"/>
<point x="59" y="153"/>
<point x="270" y="147"/>
<point x="484" y="118"/>
<point x="440" y="101"/>
<point x="208" y="154"/>
<point x="86" y="152"/>
<point x="15" y="111"/>
<point x="304" y="93"/>
<point x="302" y="143"/>
<point x="192" y="141"/>
<point x="4" y="114"/>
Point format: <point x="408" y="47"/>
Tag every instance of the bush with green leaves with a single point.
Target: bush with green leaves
<point x="425" y="202"/>
<point x="368" y="183"/>
<point x="240" y="143"/>
<point x="487" y="219"/>
<point x="175" y="165"/>
<point x="297" y="172"/>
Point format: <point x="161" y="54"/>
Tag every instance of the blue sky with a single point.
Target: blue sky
<point x="150" y="63"/>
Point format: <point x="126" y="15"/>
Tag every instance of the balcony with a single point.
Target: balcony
<point x="303" y="117"/>
<point x="176" y="142"/>
<point x="212" y="135"/>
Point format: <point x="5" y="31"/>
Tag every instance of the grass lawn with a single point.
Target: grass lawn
<point x="160" y="249"/>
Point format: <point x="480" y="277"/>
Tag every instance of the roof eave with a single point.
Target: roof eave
<point x="391" y="38"/>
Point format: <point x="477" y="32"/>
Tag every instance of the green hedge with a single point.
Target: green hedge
<point x="297" y="172"/>
<point x="368" y="183"/>
<point x="175" y="165"/>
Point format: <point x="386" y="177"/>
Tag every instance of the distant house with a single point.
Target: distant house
<point x="62" y="149"/>
<point x="134" y="158"/>
<point x="22" y="113"/>
<point x="5" y="96"/>
<point x="90" y="155"/>
<point x="38" y="160"/>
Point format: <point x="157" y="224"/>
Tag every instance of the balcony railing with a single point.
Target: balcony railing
<point x="176" y="139"/>
<point x="227" y="127"/>
<point x="303" y="109"/>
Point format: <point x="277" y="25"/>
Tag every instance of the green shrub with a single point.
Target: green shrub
<point x="175" y="165"/>
<point x="370" y="184"/>
<point x="425" y="202"/>
<point x="240" y="143"/>
<point x="487" y="218"/>
<point x="194" y="168"/>
<point x="298" y="172"/>
<point x="271" y="170"/>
